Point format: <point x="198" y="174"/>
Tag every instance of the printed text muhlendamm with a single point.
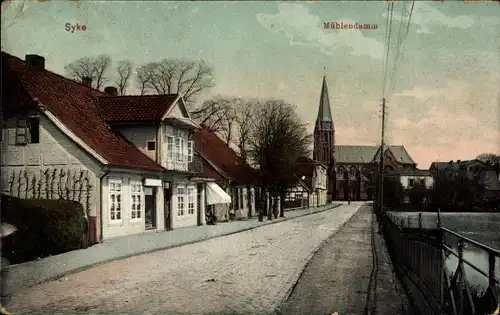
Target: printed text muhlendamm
<point x="346" y="26"/>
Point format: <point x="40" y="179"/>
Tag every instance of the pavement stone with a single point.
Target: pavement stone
<point x="247" y="272"/>
<point x="50" y="268"/>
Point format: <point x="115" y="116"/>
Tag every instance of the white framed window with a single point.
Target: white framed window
<point x="181" y="200"/>
<point x="115" y="200"/>
<point x="191" y="199"/>
<point x="178" y="148"/>
<point x="190" y="151"/>
<point x="183" y="150"/>
<point x="137" y="200"/>
<point x="170" y="148"/>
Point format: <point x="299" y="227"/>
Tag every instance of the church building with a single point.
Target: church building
<point x="352" y="169"/>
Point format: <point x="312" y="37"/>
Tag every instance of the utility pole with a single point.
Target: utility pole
<point x="381" y="167"/>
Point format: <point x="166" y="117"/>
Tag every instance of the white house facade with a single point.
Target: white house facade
<point x="63" y="139"/>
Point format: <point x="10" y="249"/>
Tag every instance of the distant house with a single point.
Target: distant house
<point x="409" y="177"/>
<point x="474" y="171"/>
<point x="229" y="171"/>
<point x="299" y="195"/>
<point x="356" y="167"/>
<point x="128" y="160"/>
<point x="314" y="175"/>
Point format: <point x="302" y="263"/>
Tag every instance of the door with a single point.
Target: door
<point x="150" y="207"/>
<point x="199" y="203"/>
<point x="167" y="196"/>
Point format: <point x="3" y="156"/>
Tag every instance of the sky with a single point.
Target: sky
<point x="443" y="98"/>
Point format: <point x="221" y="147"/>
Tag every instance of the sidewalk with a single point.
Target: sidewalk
<point x="340" y="275"/>
<point x="50" y="268"/>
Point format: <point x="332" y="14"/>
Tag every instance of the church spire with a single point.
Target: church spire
<point x="324" y="112"/>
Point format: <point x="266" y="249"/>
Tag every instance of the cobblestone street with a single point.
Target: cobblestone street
<point x="247" y="272"/>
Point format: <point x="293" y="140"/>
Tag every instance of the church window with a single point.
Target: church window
<point x="325" y="136"/>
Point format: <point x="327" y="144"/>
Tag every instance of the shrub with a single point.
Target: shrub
<point x="45" y="227"/>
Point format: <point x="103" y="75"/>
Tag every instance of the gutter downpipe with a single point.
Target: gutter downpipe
<point x="100" y="202"/>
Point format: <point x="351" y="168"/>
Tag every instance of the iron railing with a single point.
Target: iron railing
<point x="420" y="255"/>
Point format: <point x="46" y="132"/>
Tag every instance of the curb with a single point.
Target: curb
<point x="299" y="274"/>
<point x="92" y="265"/>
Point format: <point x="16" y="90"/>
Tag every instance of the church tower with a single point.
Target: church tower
<point x="324" y="131"/>
<point x="324" y="139"/>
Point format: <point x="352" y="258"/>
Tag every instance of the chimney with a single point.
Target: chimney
<point x="87" y="81"/>
<point x="111" y="90"/>
<point x="458" y="161"/>
<point x="36" y="61"/>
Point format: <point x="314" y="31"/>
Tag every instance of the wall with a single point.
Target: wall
<point x="57" y="153"/>
<point x="127" y="225"/>
<point x="139" y="136"/>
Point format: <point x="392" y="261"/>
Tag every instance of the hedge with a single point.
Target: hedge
<point x="44" y="227"/>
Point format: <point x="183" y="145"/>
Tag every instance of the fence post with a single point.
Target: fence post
<point x="491" y="273"/>
<point x="460" y="284"/>
<point x="420" y="220"/>
<point x="439" y="218"/>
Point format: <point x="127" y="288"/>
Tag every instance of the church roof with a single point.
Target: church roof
<point x="324" y="111"/>
<point x="356" y="154"/>
<point x="359" y="154"/>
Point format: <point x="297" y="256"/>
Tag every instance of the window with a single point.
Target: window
<point x="151" y="145"/>
<point x="115" y="200"/>
<point x="191" y="198"/>
<point x="137" y="200"/>
<point x="170" y="148"/>
<point x="411" y="182"/>
<point x="181" y="201"/>
<point x="178" y="147"/>
<point x="183" y="150"/>
<point x="190" y="151"/>
<point x="22" y="131"/>
<point x="34" y="126"/>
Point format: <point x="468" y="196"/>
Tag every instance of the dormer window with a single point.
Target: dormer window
<point x="151" y="145"/>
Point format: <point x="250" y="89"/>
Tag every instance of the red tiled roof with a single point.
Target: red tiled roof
<point x="209" y="172"/>
<point x="223" y="157"/>
<point x="136" y="108"/>
<point x="74" y="104"/>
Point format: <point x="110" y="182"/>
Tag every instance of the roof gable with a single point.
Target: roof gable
<point x="75" y="106"/>
<point x="177" y="110"/>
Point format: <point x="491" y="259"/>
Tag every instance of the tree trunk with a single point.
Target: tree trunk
<point x="282" y="204"/>
<point x="275" y="206"/>
<point x="269" y="206"/>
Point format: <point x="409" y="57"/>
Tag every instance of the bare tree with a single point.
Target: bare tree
<point x="95" y="68"/>
<point x="232" y="118"/>
<point x="172" y="75"/>
<point x="245" y="121"/>
<point x="124" y="70"/>
<point x="219" y="115"/>
<point x="277" y="139"/>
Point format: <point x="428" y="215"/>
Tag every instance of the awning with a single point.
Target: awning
<point x="216" y="195"/>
